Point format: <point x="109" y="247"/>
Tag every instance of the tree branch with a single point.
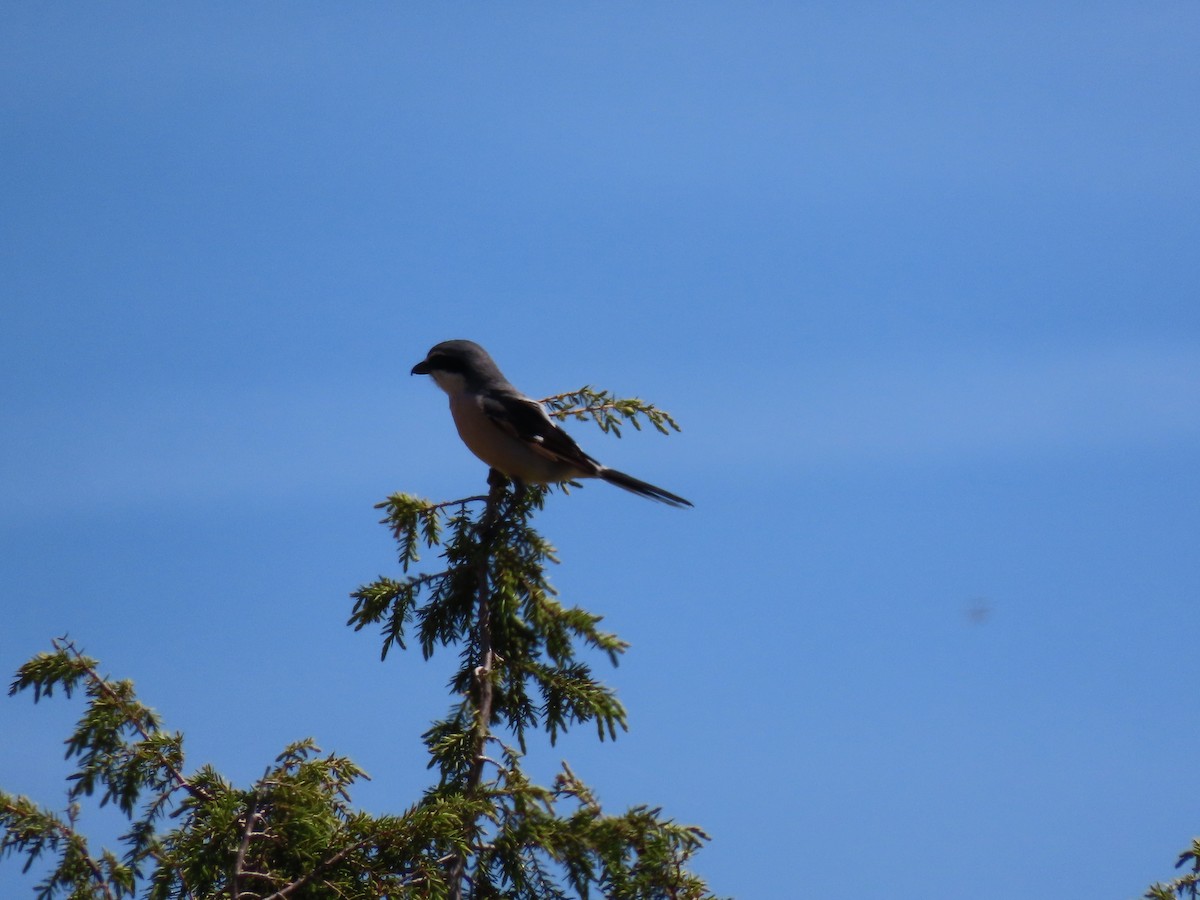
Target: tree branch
<point x="324" y="864"/>
<point x="483" y="672"/>
<point x="235" y="888"/>
<point x="67" y="834"/>
<point x="95" y="677"/>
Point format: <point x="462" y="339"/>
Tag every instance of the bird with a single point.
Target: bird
<point x="511" y="432"/>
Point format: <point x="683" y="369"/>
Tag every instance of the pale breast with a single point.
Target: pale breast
<point x="501" y="450"/>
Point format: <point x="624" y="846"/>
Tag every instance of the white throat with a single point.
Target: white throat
<point x="451" y="382"/>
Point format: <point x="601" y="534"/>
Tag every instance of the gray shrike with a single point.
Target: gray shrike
<point x="509" y="431"/>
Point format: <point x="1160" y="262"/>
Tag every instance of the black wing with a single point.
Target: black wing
<point x="527" y="419"/>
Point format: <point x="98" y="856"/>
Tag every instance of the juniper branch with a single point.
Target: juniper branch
<point x="94" y="678"/>
<point x="484" y="684"/>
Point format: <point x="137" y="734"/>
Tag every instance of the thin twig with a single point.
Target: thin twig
<point x="196" y="791"/>
<point x="66" y="833"/>
<point x="477" y="498"/>
<point x="578" y="410"/>
<point x="320" y="867"/>
<point x="483" y="672"/>
<point x="240" y="861"/>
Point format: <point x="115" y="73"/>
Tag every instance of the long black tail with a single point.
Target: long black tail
<point x="636" y="486"/>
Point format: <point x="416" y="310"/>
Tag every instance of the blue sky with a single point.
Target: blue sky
<point x="919" y="282"/>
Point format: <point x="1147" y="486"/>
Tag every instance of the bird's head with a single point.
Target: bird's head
<point x="459" y="365"/>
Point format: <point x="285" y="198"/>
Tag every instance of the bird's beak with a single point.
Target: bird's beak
<point x="421" y="368"/>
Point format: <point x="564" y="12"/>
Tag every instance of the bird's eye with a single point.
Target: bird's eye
<point x="444" y="363"/>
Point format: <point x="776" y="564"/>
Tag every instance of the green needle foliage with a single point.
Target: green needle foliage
<point x="607" y="411"/>
<point x="483" y="830"/>
<point x="1186" y="885"/>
